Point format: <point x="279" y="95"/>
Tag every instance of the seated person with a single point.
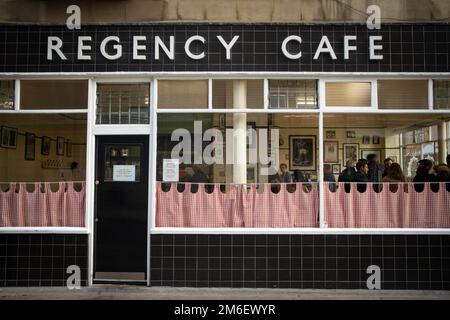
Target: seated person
<point x="361" y="175"/>
<point x="328" y="176"/>
<point x="423" y="174"/>
<point x="285" y="175"/>
<point x="394" y="174"/>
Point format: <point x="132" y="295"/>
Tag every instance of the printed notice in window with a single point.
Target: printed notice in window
<point x="124" y="173"/>
<point x="171" y="170"/>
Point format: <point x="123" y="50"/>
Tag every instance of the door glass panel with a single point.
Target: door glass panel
<point x="122" y="163"/>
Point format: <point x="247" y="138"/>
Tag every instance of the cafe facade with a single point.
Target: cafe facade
<point x="146" y="153"/>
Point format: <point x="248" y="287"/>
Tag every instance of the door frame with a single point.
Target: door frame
<point x="95" y="130"/>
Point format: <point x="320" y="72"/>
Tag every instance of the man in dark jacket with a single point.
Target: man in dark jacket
<point x="361" y="175"/>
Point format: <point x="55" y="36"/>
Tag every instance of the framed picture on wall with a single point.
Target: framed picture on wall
<point x="45" y="146"/>
<point x="376" y="140"/>
<point x="9" y="138"/>
<point x="69" y="148"/>
<point x="351" y="134"/>
<point x="302" y="152"/>
<point x="351" y="151"/>
<point x="366" y="139"/>
<point x="336" y="168"/>
<point x="331" y="154"/>
<point x="30" y="140"/>
<point x="60" y="146"/>
<point x="366" y="152"/>
<point x="331" y="134"/>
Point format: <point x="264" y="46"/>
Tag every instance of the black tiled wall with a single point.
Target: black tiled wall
<point x="300" y="261"/>
<point x="406" y="48"/>
<point x="41" y="259"/>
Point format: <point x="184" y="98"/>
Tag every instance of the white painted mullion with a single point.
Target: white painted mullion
<point x="430" y="94"/>
<point x="90" y="176"/>
<point x="374" y="95"/>
<point x="151" y="217"/>
<point x="16" y="95"/>
<point x="210" y="93"/>
<point x="321" y="94"/>
<point x="266" y="94"/>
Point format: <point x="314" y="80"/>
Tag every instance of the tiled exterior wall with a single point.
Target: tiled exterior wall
<point x="41" y="260"/>
<point x="406" y="48"/>
<point x="300" y="261"/>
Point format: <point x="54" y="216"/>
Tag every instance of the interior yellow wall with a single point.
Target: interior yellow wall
<point x="14" y="167"/>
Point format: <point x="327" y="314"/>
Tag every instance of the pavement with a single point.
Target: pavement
<point x="129" y="292"/>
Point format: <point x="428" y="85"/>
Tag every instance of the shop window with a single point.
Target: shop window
<point x="292" y="94"/>
<point x="348" y="94"/>
<point x="403" y="94"/>
<point x="223" y="94"/>
<point x="43" y="170"/>
<point x="6" y="94"/>
<point x="53" y="94"/>
<point x="123" y="103"/>
<point x="182" y="94"/>
<point x="441" y="94"/>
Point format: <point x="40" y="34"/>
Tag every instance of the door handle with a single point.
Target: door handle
<point x="97" y="182"/>
<point x="96" y="220"/>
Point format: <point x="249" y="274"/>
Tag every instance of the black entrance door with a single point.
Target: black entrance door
<point x="120" y="247"/>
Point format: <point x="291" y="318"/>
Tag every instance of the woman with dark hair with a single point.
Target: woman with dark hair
<point x="394" y="174"/>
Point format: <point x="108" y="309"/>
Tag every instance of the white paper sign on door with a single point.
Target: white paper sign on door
<point x="171" y="170"/>
<point x="124" y="173"/>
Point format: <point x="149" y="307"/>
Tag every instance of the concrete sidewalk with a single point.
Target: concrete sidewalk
<point x="127" y="292"/>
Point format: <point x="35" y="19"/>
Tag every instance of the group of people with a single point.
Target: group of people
<point x="371" y="170"/>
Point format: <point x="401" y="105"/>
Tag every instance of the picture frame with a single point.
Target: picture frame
<point x="376" y="140"/>
<point x="30" y="146"/>
<point x="331" y="151"/>
<point x="45" y="145"/>
<point x="351" y="134"/>
<point x="336" y="168"/>
<point x="60" y="142"/>
<point x="330" y="134"/>
<point x="366" y="140"/>
<point x="69" y="147"/>
<point x="366" y="152"/>
<point x="302" y="152"/>
<point x="350" y="152"/>
<point x="9" y="137"/>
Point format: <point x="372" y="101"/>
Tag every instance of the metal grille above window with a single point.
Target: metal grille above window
<point x="123" y="103"/>
<point x="441" y="94"/>
<point x="7" y="94"/>
<point x="293" y="94"/>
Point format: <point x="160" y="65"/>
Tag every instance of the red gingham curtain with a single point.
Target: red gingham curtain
<point x="395" y="206"/>
<point x="37" y="205"/>
<point x="294" y="205"/>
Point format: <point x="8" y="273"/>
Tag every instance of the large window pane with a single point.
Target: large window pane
<point x="348" y="94"/>
<point x="403" y="94"/>
<point x="43" y="170"/>
<point x="441" y="94"/>
<point x="292" y="94"/>
<point x="183" y="94"/>
<point x="6" y="94"/>
<point x="223" y="94"/>
<point x="123" y="103"/>
<point x="53" y="94"/>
